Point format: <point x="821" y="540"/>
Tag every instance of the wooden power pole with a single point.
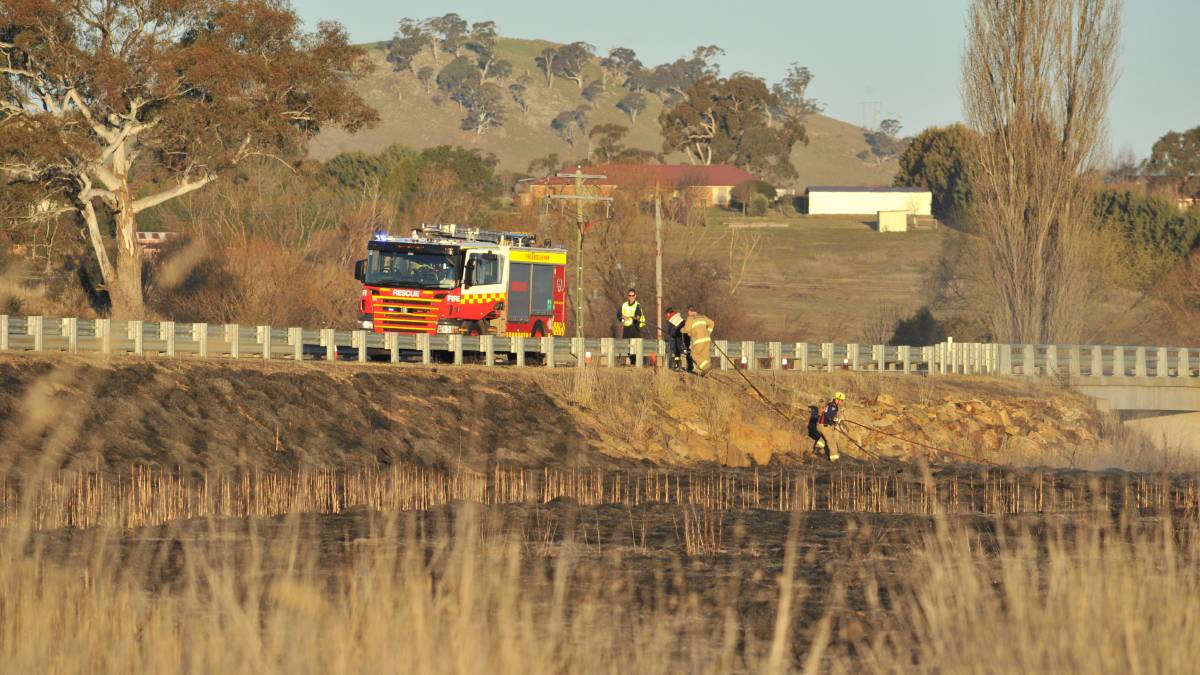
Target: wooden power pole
<point x="579" y="198"/>
<point x="658" y="283"/>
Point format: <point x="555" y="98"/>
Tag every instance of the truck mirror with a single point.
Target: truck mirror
<point x="469" y="274"/>
<point x="360" y="270"/>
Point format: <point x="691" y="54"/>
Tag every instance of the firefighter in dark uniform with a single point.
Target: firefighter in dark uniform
<point x="679" y="343"/>
<point x="632" y="318"/>
<point x="827" y="417"/>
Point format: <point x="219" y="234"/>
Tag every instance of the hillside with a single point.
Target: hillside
<point x="825" y="278"/>
<point x="410" y="117"/>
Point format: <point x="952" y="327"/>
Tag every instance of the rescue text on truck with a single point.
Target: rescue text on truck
<point x="456" y="279"/>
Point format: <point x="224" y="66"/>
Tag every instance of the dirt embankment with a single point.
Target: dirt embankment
<point x="192" y="415"/>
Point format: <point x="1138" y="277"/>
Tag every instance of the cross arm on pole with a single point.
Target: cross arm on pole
<point x="584" y="198"/>
<point x="582" y="176"/>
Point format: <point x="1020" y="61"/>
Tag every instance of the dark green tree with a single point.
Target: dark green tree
<point x="607" y="142"/>
<point x="570" y="123"/>
<point x="632" y="104"/>
<point x="1175" y="159"/>
<point x="408" y="42"/>
<point x="501" y="70"/>
<point x="476" y="171"/>
<point x="393" y="171"/>
<point x="744" y="193"/>
<point x="767" y="151"/>
<point x="939" y="159"/>
<point x="725" y="121"/>
<point x="919" y="330"/>
<point x="620" y="63"/>
<point x="517" y="92"/>
<point x="485" y="108"/>
<point x="482" y="42"/>
<point x="1149" y="223"/>
<point x="792" y="94"/>
<point x="885" y="141"/>
<point x="571" y="61"/>
<point x="544" y="166"/>
<point x="671" y="80"/>
<point x="425" y="76"/>
<point x="592" y="92"/>
<point x="458" y="77"/>
<point x="447" y="33"/>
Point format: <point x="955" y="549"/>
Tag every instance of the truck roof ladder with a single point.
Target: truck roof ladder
<point x="464" y="233"/>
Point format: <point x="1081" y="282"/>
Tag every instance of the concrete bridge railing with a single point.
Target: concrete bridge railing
<point x="1098" y="363"/>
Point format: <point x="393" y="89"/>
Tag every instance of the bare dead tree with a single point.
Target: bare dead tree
<point x="743" y="252"/>
<point x="881" y="321"/>
<point x="1037" y="75"/>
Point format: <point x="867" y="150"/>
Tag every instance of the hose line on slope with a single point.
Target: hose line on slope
<point x="772" y="406"/>
<point x="928" y="447"/>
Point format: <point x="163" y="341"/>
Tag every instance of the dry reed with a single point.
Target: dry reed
<point x="149" y="496"/>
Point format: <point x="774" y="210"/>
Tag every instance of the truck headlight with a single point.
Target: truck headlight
<point x="368" y="325"/>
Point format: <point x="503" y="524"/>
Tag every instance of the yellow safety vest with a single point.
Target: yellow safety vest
<point x="630" y="312"/>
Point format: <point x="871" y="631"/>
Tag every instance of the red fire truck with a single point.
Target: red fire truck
<point x="456" y="279"/>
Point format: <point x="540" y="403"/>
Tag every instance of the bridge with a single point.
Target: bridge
<point x="1162" y="408"/>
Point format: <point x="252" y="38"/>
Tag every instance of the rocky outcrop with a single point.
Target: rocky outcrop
<point x="1021" y="430"/>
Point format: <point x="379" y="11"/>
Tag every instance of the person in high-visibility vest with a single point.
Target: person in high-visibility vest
<point x="632" y="318"/>
<point x="699" y="328"/>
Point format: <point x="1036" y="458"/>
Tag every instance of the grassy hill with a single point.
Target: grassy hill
<point x="826" y="278"/>
<point x="410" y="117"/>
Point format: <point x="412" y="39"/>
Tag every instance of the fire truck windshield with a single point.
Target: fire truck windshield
<point x="413" y="269"/>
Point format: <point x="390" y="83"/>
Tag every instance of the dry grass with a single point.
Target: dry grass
<point x="1093" y="596"/>
<point x="1090" y="597"/>
<point x="461" y="602"/>
<point x="824" y="278"/>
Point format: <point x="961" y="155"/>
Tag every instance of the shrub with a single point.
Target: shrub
<point x="742" y="195"/>
<point x="1149" y="223"/>
<point x="758" y="205"/>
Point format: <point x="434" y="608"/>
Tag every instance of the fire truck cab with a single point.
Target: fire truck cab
<point x="456" y="279"/>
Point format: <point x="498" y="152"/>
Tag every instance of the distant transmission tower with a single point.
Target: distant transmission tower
<point x="873" y="107"/>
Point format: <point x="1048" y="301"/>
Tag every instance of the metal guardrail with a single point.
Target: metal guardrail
<point x="232" y="341"/>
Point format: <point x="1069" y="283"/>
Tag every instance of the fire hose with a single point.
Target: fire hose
<point x="924" y="446"/>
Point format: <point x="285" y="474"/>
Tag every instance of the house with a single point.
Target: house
<point x="709" y="185"/>
<point x="860" y="201"/>
<point x="151" y="242"/>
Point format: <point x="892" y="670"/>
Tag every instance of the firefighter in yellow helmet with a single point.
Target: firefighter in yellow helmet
<point x="699" y="328"/>
<point x="828" y="416"/>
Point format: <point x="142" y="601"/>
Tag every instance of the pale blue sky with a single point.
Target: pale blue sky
<point x="902" y="53"/>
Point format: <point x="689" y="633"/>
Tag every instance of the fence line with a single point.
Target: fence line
<point x="169" y="339"/>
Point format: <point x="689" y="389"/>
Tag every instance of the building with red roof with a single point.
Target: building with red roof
<point x="709" y="185"/>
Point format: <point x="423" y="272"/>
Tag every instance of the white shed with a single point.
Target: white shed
<point x="861" y="201"/>
<point x="892" y="221"/>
